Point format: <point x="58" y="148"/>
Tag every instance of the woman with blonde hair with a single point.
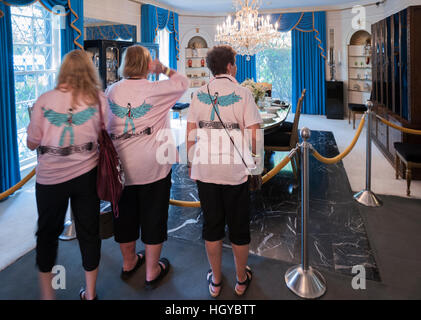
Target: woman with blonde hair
<point x="139" y="111"/>
<point x="64" y="127"/>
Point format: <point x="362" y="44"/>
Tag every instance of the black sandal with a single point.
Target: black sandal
<point x="164" y="271"/>
<point x="249" y="275"/>
<point x="82" y="296"/>
<point x="209" y="278"/>
<point x="125" y="275"/>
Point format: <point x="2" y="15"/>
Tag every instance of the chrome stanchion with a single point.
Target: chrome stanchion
<point x="367" y="197"/>
<point x="69" y="232"/>
<point x="303" y="280"/>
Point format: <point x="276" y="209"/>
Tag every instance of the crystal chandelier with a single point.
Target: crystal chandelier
<point x="248" y="33"/>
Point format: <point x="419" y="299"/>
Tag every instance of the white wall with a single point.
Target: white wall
<point x="119" y="11"/>
<point x="190" y="26"/>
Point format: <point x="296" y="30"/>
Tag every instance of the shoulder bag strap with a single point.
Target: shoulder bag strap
<point x="225" y="128"/>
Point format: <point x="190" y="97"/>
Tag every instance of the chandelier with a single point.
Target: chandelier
<point x="248" y="33"/>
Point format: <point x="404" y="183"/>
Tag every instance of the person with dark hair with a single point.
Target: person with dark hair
<point x="223" y="109"/>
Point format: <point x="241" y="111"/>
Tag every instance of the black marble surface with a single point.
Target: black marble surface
<point x="337" y="236"/>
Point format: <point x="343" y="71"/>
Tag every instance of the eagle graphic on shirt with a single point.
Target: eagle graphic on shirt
<point x="68" y="120"/>
<point x="129" y="113"/>
<point x="222" y="101"/>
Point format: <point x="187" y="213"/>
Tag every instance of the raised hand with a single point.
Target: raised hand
<point x="156" y="67"/>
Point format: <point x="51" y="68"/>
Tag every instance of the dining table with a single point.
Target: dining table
<point x="274" y="119"/>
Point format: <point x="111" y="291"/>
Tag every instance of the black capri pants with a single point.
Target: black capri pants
<point x="143" y="207"/>
<point x="225" y="205"/>
<point x="52" y="202"/>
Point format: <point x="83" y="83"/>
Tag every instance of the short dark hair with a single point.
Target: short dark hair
<point x="218" y="58"/>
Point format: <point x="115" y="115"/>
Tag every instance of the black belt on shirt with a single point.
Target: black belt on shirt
<point x="218" y="125"/>
<point x="124" y="136"/>
<point x="87" y="147"/>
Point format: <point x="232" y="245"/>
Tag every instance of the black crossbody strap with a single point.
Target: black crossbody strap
<point x="225" y="127"/>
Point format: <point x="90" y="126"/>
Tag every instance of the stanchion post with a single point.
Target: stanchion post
<point x="69" y="232"/>
<point x="303" y="280"/>
<point x="366" y="197"/>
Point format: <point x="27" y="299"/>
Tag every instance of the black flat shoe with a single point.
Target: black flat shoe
<point x="164" y="271"/>
<point x="125" y="275"/>
<point x="82" y="295"/>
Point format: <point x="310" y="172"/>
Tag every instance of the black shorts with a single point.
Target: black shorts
<point x="143" y="207"/>
<point x="225" y="204"/>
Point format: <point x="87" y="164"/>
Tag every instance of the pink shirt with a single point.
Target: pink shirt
<point x="67" y="138"/>
<point x="136" y="106"/>
<point x="238" y="110"/>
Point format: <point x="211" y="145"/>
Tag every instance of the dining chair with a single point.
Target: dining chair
<point x="281" y="140"/>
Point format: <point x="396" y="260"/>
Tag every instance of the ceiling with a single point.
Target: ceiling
<point x="213" y="7"/>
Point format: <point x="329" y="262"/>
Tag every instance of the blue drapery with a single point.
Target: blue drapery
<point x="124" y="32"/>
<point x="71" y="38"/>
<point x="154" y="19"/>
<point x="246" y="69"/>
<point x="309" y="31"/>
<point x="308" y="66"/>
<point x="72" y="35"/>
<point x="9" y="159"/>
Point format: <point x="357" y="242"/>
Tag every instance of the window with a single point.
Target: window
<point x="275" y="66"/>
<point x="164" y="49"/>
<point x="36" y="54"/>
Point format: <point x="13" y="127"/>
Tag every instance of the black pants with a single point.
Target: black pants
<point x="52" y="202"/>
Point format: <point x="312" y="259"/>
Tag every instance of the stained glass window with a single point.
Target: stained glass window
<point x="36" y="54"/>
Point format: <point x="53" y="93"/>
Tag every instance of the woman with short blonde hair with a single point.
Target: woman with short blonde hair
<point x="139" y="111"/>
<point x="135" y="62"/>
<point x="64" y="127"/>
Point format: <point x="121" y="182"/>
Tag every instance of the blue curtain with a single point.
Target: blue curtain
<point x="246" y="69"/>
<point x="72" y="35"/>
<point x="154" y="19"/>
<point x="9" y="156"/>
<point x="308" y="66"/>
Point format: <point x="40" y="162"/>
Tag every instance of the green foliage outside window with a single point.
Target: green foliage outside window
<point x="274" y="66"/>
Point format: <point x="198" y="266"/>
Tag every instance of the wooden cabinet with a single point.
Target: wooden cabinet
<point x="334" y="99"/>
<point x="396" y="93"/>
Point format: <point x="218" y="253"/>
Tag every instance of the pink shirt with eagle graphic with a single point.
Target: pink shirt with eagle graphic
<point x="55" y="125"/>
<point x="135" y="106"/>
<point x="236" y="106"/>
